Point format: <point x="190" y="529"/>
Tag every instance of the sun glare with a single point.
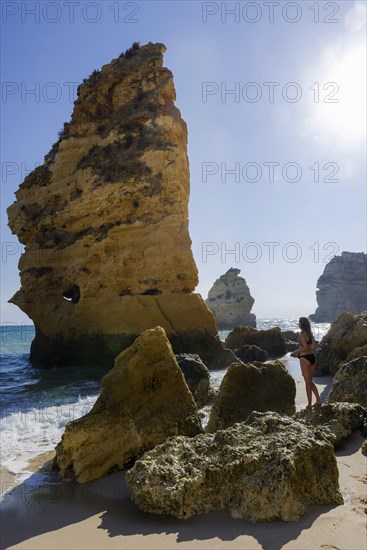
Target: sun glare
<point x="338" y="109"/>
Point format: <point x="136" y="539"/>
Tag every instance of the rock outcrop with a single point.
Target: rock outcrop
<point x="270" y="340"/>
<point x="336" y="420"/>
<point x="350" y="383"/>
<point x="345" y="335"/>
<point x="144" y="399"/>
<point x="230" y="301"/>
<point x="252" y="387"/>
<point x="342" y="287"/>
<point x="104" y="222"/>
<point x="248" y="354"/>
<point x="291" y="339"/>
<point x="196" y="375"/>
<point x="268" y="468"/>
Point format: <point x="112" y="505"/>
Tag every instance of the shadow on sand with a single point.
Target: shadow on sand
<point x="27" y="512"/>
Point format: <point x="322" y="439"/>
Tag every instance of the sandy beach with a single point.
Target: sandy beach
<point x="100" y="514"/>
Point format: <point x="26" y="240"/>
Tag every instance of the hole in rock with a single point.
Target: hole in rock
<point x="72" y="294"/>
<point x="151" y="292"/>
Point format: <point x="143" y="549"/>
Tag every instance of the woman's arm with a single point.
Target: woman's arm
<point x="303" y="347"/>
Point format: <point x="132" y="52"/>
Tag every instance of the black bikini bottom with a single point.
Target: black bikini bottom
<point x="310" y="358"/>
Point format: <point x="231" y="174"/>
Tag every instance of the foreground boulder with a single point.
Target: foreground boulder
<point x="270" y="340"/>
<point x="144" y="399"/>
<point x="248" y="354"/>
<point x="350" y="383"/>
<point x="348" y="332"/>
<point x="196" y="375"/>
<point x="268" y="468"/>
<point x="337" y="420"/>
<point x="252" y="387"/>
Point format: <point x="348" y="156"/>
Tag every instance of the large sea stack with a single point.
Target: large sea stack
<point x="230" y="301"/>
<point x="342" y="287"/>
<point x="104" y="222"/>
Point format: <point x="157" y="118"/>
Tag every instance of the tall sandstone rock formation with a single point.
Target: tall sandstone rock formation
<point x="342" y="287"/>
<point x="230" y="301"/>
<point x="105" y="223"/>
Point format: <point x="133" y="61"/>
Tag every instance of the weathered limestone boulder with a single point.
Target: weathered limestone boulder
<point x="291" y="339"/>
<point x="144" y="399"/>
<point x="196" y="375"/>
<point x="337" y="420"/>
<point x="248" y="354"/>
<point x="348" y="332"/>
<point x="357" y="352"/>
<point x="290" y="335"/>
<point x="350" y="383"/>
<point x="230" y="301"/>
<point x="270" y="340"/>
<point x="252" y="387"/>
<point x="268" y="468"/>
<point x="342" y="287"/>
<point x="104" y="222"/>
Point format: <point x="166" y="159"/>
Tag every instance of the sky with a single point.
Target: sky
<point x="274" y="96"/>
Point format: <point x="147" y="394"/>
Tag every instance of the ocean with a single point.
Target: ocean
<point x="37" y="403"/>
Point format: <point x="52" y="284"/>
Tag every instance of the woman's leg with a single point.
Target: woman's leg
<point x="307" y="375"/>
<point x="315" y="391"/>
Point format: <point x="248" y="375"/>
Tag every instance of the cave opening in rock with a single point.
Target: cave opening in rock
<point x="72" y="294"/>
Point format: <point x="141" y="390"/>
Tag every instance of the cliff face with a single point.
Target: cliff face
<point x="342" y="287"/>
<point x="105" y="220"/>
<point x="230" y="301"/>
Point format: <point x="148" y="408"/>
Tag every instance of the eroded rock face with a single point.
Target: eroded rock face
<point x="350" y="382"/>
<point x="342" y="287"/>
<point x="144" y="399"/>
<point x="248" y="354"/>
<point x="268" y="468"/>
<point x="336" y="420"/>
<point x="105" y="221"/>
<point x="230" y="301"/>
<point x="270" y="340"/>
<point x="196" y="375"/>
<point x="346" y="334"/>
<point x="252" y="387"/>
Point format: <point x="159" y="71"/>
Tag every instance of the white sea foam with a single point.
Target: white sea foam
<point x="30" y="432"/>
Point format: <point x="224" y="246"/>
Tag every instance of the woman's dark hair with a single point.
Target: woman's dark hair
<point x="304" y="324"/>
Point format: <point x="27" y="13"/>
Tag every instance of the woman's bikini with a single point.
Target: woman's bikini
<point x="310" y="356"/>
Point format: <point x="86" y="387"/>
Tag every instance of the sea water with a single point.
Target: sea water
<point x="36" y="404"/>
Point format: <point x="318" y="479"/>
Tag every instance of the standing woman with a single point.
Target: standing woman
<point x="305" y="354"/>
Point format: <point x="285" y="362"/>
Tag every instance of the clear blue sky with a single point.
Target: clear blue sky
<point x="297" y="73"/>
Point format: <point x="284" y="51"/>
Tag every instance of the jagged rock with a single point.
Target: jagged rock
<point x="291" y="339"/>
<point x="357" y="352"/>
<point x="337" y="420"/>
<point x="350" y="383"/>
<point x="270" y="340"/>
<point x="342" y="287"/>
<point x="230" y="301"/>
<point x="248" y="354"/>
<point x="144" y="399"/>
<point x="268" y="468"/>
<point x="348" y="332"/>
<point x="290" y="335"/>
<point x="104" y="222"/>
<point x="252" y="387"/>
<point x="364" y="448"/>
<point x="196" y="375"/>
